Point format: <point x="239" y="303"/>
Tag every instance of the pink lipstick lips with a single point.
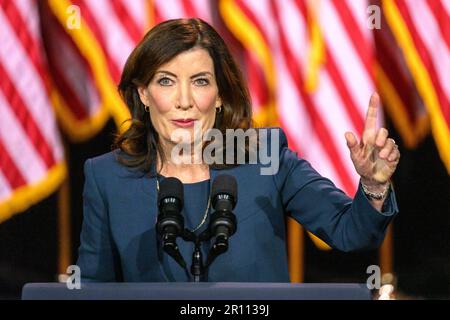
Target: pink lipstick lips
<point x="184" y="123"/>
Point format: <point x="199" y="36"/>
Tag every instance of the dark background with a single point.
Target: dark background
<point x="29" y="241"/>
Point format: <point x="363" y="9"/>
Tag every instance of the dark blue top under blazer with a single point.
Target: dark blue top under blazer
<point x="119" y="242"/>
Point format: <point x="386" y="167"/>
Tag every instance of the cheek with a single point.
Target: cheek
<point x="161" y="100"/>
<point x="206" y="102"/>
<point x="208" y="110"/>
<point x="159" y="107"/>
<point x="157" y="120"/>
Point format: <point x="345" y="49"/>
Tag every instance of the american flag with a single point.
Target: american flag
<point x="422" y="31"/>
<point x="87" y="61"/>
<point x="396" y="86"/>
<point x="31" y="153"/>
<point x="317" y="58"/>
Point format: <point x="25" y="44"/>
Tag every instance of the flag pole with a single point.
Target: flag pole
<point x="295" y="250"/>
<point x="386" y="250"/>
<point x="64" y="225"/>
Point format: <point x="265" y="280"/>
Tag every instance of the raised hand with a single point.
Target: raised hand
<point x="376" y="156"/>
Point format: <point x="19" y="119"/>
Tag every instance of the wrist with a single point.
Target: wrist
<point x="374" y="185"/>
<point x="375" y="190"/>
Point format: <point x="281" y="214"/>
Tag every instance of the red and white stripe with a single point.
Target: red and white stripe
<point x="71" y="73"/>
<point x="428" y="22"/>
<point x="174" y="9"/>
<point x="30" y="144"/>
<point x="117" y="38"/>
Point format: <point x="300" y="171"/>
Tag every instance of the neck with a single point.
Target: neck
<point x="186" y="170"/>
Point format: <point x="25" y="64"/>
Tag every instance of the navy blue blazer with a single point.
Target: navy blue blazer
<point x="119" y="241"/>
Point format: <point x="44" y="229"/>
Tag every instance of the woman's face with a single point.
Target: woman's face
<point x="182" y="91"/>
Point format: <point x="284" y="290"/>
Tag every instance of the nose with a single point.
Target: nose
<point x="184" y="97"/>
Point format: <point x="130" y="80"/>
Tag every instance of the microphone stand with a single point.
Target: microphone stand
<point x="197" y="267"/>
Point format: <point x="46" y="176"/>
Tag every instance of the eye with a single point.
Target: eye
<point x="202" y="82"/>
<point x="165" y="81"/>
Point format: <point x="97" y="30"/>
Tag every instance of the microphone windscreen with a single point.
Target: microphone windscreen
<point x="171" y="187"/>
<point x="225" y="183"/>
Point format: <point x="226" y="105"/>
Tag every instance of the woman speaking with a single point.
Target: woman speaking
<point x="143" y="200"/>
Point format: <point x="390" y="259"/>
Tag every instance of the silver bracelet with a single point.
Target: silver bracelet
<point x="375" y="195"/>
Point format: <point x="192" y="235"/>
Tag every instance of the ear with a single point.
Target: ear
<point x="143" y="95"/>
<point x="218" y="102"/>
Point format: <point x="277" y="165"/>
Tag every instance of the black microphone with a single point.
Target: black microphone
<point x="170" y="222"/>
<point x="223" y="221"/>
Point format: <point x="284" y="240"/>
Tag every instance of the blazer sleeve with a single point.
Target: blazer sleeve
<point x="97" y="256"/>
<point x="315" y="202"/>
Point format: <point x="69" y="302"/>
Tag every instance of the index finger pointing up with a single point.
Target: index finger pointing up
<point x="371" y="116"/>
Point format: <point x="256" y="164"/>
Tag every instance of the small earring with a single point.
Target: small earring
<point x="147" y="108"/>
<point x="219" y="109"/>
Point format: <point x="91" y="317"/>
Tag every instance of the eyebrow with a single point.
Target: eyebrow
<point x="204" y="73"/>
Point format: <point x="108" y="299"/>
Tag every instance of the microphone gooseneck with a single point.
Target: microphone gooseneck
<point x="223" y="222"/>
<point x="170" y="222"/>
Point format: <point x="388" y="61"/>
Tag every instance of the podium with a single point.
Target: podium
<point x="197" y="291"/>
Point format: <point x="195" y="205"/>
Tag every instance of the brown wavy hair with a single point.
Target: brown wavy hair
<point x="160" y="45"/>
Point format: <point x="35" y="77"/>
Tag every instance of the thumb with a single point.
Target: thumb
<point x="352" y="142"/>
